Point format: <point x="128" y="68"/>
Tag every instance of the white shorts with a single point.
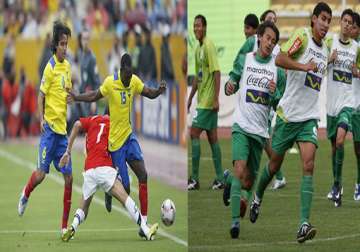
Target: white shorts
<point x="103" y="177"/>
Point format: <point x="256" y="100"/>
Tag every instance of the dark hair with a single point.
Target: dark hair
<point x="268" y="24"/>
<point x="347" y="12"/>
<point x="203" y="19"/>
<point x="125" y="61"/>
<point x="59" y="29"/>
<point x="251" y="20"/>
<point x="320" y="7"/>
<point x="356" y="18"/>
<point x="263" y="16"/>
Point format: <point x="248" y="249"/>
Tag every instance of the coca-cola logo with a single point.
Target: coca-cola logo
<point x="343" y="64"/>
<point x="258" y="81"/>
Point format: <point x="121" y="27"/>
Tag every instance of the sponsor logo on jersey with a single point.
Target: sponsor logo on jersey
<point x="342" y="76"/>
<point x="313" y="81"/>
<point x="258" y="97"/>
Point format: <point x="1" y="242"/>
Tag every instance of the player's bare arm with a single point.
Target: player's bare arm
<point x="74" y="132"/>
<point x="90" y="96"/>
<point x="153" y="93"/>
<point x="192" y="92"/>
<point x="217" y="89"/>
<point x="284" y="61"/>
<point x="41" y="101"/>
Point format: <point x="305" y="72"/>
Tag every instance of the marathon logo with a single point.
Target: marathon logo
<point x="295" y="46"/>
<point x="312" y="81"/>
<point x="258" y="97"/>
<point x="341" y="76"/>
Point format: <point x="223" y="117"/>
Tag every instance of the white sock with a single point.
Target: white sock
<point x="145" y="218"/>
<point x="135" y="214"/>
<point x="78" y="218"/>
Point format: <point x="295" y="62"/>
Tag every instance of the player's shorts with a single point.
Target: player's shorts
<point x="355" y="122"/>
<point x="206" y="119"/>
<point x="100" y="177"/>
<point x="287" y="133"/>
<point x="51" y="148"/>
<point x="129" y="151"/>
<point x="247" y="148"/>
<point x="343" y="120"/>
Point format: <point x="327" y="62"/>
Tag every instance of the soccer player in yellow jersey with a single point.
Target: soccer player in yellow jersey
<point x="55" y="83"/>
<point x="120" y="89"/>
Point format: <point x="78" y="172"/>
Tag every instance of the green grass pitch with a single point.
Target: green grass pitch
<point x="39" y="228"/>
<point x="277" y="225"/>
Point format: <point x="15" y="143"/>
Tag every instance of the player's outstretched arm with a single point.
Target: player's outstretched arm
<point x="153" y="93"/>
<point x="90" y="96"/>
<point x="286" y="62"/>
<point x="74" y="132"/>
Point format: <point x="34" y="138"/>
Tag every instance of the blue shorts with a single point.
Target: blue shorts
<point x="129" y="151"/>
<point x="52" y="147"/>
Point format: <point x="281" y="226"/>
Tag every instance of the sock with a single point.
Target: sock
<point x="229" y="179"/>
<point x="79" y="218"/>
<point x="135" y="214"/>
<point x="264" y="180"/>
<point x="143" y="198"/>
<point x="339" y="158"/>
<point x="67" y="205"/>
<point x="235" y="195"/>
<point x="195" y="146"/>
<point x="30" y="185"/>
<point x="333" y="158"/>
<point x="279" y="175"/>
<point x="358" y="169"/>
<point x="306" y="195"/>
<point x="246" y="194"/>
<point x="216" y="156"/>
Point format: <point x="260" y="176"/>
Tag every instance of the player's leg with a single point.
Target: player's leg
<point x="216" y="156"/>
<point x="307" y="154"/>
<point x="279" y="181"/>
<point x="357" y="186"/>
<point x="88" y="190"/>
<point x="45" y="157"/>
<point x="134" y="157"/>
<point x="117" y="190"/>
<point x="193" y="183"/>
<point x="339" y="158"/>
<point x="61" y="146"/>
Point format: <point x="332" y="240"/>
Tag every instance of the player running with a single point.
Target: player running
<point x="120" y="89"/>
<point x="254" y="77"/>
<point x="340" y="100"/>
<point x="100" y="173"/>
<point x="306" y="57"/>
<point x="207" y="83"/>
<point x="55" y="83"/>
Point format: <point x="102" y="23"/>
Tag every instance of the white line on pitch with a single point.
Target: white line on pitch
<point x="60" y="180"/>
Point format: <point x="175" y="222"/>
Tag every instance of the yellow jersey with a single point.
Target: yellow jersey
<point x="55" y="80"/>
<point x="120" y="99"/>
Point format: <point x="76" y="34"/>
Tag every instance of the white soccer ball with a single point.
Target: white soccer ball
<point x="168" y="212"/>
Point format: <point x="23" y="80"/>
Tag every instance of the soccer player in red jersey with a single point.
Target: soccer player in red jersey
<point x="100" y="173"/>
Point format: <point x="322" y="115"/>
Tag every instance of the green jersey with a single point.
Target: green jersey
<point x="206" y="64"/>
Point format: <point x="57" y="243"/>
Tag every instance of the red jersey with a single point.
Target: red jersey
<point x="97" y="134"/>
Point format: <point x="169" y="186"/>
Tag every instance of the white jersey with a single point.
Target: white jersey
<point x="300" y="101"/>
<point x="356" y="93"/>
<point x="252" y="102"/>
<point x="339" y="78"/>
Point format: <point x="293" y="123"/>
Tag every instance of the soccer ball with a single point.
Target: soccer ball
<point x="168" y="212"/>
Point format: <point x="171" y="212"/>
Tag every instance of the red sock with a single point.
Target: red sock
<point x="30" y="185"/>
<point x="67" y="205"/>
<point x="143" y="197"/>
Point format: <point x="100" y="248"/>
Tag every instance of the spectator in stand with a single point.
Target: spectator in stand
<point x="147" y="59"/>
<point x="46" y="54"/>
<point x="167" y="71"/>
